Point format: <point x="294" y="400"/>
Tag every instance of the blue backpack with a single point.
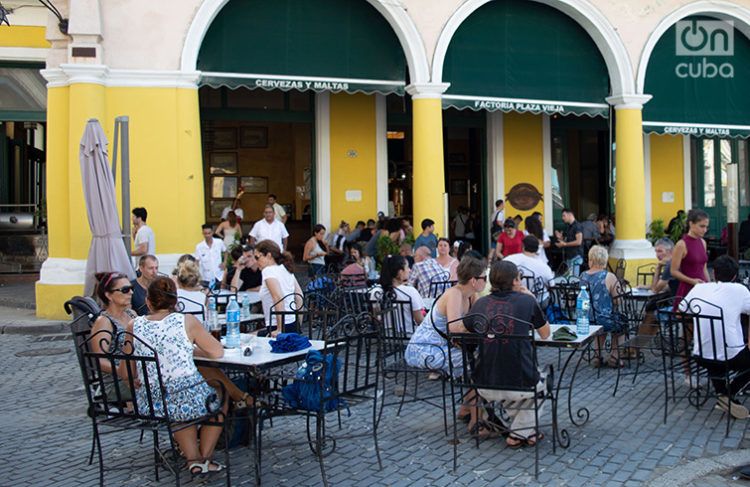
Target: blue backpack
<point x="304" y="392"/>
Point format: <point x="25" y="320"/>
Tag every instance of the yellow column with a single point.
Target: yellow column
<point x="630" y="186"/>
<point x="428" y="181"/>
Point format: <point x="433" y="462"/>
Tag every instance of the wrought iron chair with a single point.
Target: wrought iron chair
<point x="563" y="296"/>
<point x="110" y="408"/>
<point x="190" y="307"/>
<point x="394" y="308"/>
<point x="440" y="284"/>
<point x="353" y="349"/>
<point x="501" y="342"/>
<point x="694" y="338"/>
<point x="645" y="274"/>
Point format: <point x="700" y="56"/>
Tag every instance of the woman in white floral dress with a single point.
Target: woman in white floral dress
<point x="173" y="336"/>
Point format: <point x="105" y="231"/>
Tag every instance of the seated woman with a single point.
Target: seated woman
<point x="354" y="273"/>
<point x="176" y="338"/>
<point x="280" y="290"/>
<point x="190" y="295"/>
<point x="602" y="287"/>
<point x="428" y="348"/>
<point x="114" y="292"/>
<point x="394" y="274"/>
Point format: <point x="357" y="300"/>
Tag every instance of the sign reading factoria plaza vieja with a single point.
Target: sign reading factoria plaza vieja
<point x="525" y="106"/>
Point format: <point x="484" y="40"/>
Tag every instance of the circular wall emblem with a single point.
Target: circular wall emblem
<point x="523" y="196"/>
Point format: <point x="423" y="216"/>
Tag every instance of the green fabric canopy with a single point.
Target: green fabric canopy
<point x="321" y="45"/>
<point x="705" y="94"/>
<point x="523" y="56"/>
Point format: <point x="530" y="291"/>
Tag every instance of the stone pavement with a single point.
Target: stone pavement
<point x="47" y="436"/>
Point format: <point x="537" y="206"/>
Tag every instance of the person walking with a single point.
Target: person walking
<point x="689" y="257"/>
<point x="210" y="256"/>
<point x="230" y="230"/>
<point x="269" y="228"/>
<point x="144" y="241"/>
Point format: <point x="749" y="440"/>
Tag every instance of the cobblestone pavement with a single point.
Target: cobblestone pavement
<point x="46" y="438"/>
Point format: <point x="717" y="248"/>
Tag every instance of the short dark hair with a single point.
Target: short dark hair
<point x="531" y="244"/>
<point x="509" y="223"/>
<point x="271" y="195"/>
<point x="207" y="226"/>
<point x="360" y="222"/>
<point x="726" y="269"/>
<point x="140" y="212"/>
<point x="498" y="202"/>
<point x="248" y="248"/>
<point x="567" y="210"/>
<point x="695" y="215"/>
<point x="502" y="275"/>
<point x="427" y="223"/>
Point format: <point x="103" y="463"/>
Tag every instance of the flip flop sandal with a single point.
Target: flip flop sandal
<point x="615" y="363"/>
<point x="218" y="467"/>
<point x="533" y="439"/>
<point x="515" y="443"/>
<point x="198" y="469"/>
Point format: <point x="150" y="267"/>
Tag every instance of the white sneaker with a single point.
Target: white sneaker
<point x="738" y="411"/>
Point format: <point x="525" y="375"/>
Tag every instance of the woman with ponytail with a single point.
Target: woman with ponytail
<point x="280" y="289"/>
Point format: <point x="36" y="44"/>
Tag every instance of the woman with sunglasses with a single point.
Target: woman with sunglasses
<point x="428" y="348"/>
<point x="115" y="293"/>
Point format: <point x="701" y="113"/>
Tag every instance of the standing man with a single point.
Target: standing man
<point x="148" y="265"/>
<point x="210" y="256"/>
<point x="278" y="210"/>
<point x="459" y="223"/>
<point x="269" y="228"/>
<point x="571" y="242"/>
<point x="144" y="242"/>
<point x="427" y="238"/>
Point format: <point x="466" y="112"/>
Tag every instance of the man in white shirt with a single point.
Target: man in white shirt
<point x="269" y="228"/>
<point x="278" y="210"/>
<point x="528" y="263"/>
<point x="144" y="242"/>
<point x="729" y="299"/>
<point x="210" y="255"/>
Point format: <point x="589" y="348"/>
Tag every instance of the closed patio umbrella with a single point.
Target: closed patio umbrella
<point x="107" y="251"/>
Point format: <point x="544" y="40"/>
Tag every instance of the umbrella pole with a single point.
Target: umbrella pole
<point x="122" y="130"/>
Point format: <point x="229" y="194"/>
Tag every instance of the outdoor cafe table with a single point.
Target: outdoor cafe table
<point x="574" y="347"/>
<point x="255" y="365"/>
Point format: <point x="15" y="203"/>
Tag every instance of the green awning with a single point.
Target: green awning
<point x="742" y="131"/>
<point x="704" y="94"/>
<point x="325" y="45"/>
<point x="514" y="55"/>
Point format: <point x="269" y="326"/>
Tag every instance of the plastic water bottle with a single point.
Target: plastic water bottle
<point x="213" y="317"/>
<point x="233" y="323"/>
<point x="583" y="304"/>
<point x="245" y="307"/>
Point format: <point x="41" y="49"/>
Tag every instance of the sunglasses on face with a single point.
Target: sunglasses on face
<point x="257" y="256"/>
<point x="481" y="278"/>
<point x="124" y="289"/>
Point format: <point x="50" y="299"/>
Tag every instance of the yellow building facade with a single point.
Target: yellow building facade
<point x="438" y="113"/>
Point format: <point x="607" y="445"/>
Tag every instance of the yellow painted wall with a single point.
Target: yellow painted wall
<point x="166" y="169"/>
<point x="523" y="154"/>
<point x="23" y="36"/>
<point x="353" y="128"/>
<point x="666" y="175"/>
<point x="58" y="207"/>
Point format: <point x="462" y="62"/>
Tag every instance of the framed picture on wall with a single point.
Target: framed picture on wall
<point x="217" y="206"/>
<point x="223" y="163"/>
<point x="254" y="184"/>
<point x="254" y="137"/>
<point x="223" y="187"/>
<point x="225" y="138"/>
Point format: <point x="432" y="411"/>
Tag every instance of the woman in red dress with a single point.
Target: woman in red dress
<point x="689" y="257"/>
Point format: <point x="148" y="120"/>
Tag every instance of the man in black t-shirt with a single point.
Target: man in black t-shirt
<point x="571" y="242"/>
<point x="248" y="276"/>
<point x="510" y="363"/>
